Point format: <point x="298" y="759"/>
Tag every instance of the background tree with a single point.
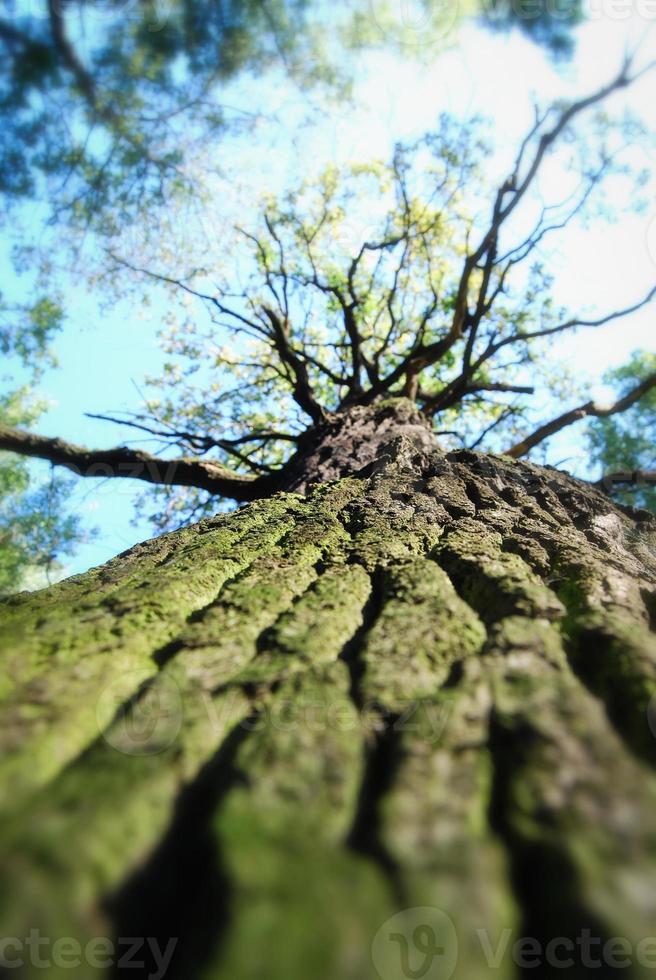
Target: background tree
<point x="93" y="94"/>
<point x="36" y="529"/>
<point x="623" y="444"/>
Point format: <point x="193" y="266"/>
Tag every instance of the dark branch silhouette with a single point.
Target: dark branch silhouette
<point x="135" y="465"/>
<point x="588" y="409"/>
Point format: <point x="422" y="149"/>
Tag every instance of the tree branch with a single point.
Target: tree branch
<point x="199" y="443"/>
<point x="507" y="198"/>
<point x="588" y="409"/>
<point x="460" y="387"/>
<point x="571" y="324"/>
<point x="632" y="478"/>
<point x="302" y="389"/>
<point x="137" y="465"/>
<point x="69" y="56"/>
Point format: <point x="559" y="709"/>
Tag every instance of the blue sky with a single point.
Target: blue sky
<point x="104" y="353"/>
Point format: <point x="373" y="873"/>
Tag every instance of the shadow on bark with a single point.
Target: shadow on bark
<point x="182" y="891"/>
<point x="544" y="880"/>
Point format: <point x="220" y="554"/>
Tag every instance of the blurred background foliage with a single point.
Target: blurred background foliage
<point x="100" y="101"/>
<point x="628" y="441"/>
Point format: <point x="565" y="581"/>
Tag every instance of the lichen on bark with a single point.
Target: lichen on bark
<point x="425" y="684"/>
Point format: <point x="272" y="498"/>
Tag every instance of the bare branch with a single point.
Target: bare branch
<point x="136" y="465"/>
<point x="631" y="478"/>
<point x="201" y="443"/>
<point x="277" y="333"/>
<point x="622" y="80"/>
<point x="588" y="409"/>
<point x="302" y="389"/>
<point x="507" y="198"/>
<point x="570" y="324"/>
<point x="461" y="386"/>
<point x="507" y="413"/>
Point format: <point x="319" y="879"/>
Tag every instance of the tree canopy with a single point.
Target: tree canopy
<point x="101" y="103"/>
<point x="624" y="444"/>
<point x="435" y="293"/>
<point x="95" y="97"/>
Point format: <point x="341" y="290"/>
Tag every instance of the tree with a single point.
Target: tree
<point x="398" y="705"/>
<point x="434" y="305"/>
<point x="35" y="528"/>
<point x="624" y="443"/>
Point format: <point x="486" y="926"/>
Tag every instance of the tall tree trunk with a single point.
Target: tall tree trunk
<point x="388" y="728"/>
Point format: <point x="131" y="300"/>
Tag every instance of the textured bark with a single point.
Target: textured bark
<point x="426" y="684"/>
<point x="346" y="442"/>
